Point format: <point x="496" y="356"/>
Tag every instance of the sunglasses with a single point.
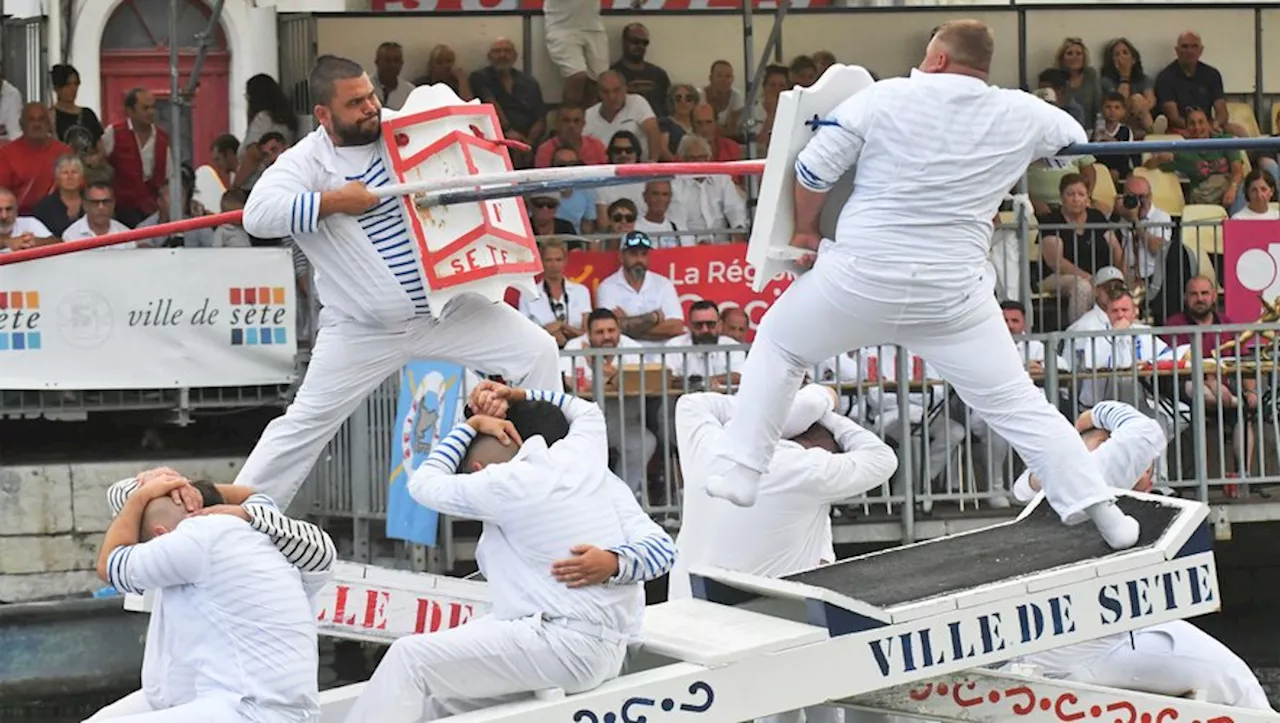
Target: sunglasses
<point x="623" y="218"/>
<point x="638" y="41"/>
<point x="545" y="203"/>
<point x="619" y="150"/>
<point x="704" y="324"/>
<point x="682" y="97"/>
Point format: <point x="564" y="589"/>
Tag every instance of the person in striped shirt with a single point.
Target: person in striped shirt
<point x="537" y="498"/>
<point x="247" y="573"/>
<point x="1174" y="658"/>
<point x="375" y="314"/>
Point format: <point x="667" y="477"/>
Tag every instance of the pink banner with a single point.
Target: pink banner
<point x="1251" y="267"/>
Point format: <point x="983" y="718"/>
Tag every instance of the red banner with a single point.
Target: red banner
<point x="715" y="273"/>
<point x="481" y="6"/>
<point x="1251" y="267"/>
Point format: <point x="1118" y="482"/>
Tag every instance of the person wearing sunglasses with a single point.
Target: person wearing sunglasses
<point x="622" y="217"/>
<point x="542" y="215"/>
<point x="577" y="205"/>
<point x="643" y="78"/>
<point x="623" y="149"/>
<point x="646" y="302"/>
<point x="563" y="305"/>
<point x="681" y="99"/>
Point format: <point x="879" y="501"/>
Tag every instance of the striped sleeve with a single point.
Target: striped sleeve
<point x="304" y="213"/>
<point x="304" y="545"/>
<point x="177" y="558"/>
<point x="118" y="494"/>
<point x="447" y="455"/>
<point x="649" y="551"/>
<point x="1110" y="415"/>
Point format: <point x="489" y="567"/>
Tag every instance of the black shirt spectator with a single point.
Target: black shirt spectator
<point x="1198" y="90"/>
<point x="53" y="213"/>
<point x="642" y="77"/>
<point x="1120" y="163"/>
<point x="522" y="105"/>
<point x="1088" y="248"/>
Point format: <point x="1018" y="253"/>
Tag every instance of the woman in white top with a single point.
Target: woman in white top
<point x="1260" y="189"/>
<point x="269" y="110"/>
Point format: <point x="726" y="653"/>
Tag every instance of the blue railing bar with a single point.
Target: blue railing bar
<point x="1265" y="143"/>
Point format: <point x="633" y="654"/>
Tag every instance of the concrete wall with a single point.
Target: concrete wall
<point x="52" y="518"/>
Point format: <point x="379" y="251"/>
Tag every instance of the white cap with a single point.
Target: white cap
<point x="1107" y="273"/>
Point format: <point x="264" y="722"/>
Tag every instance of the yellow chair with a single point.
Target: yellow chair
<point x="1160" y="137"/>
<point x="1242" y="114"/>
<point x="1009" y="218"/>
<point x="1166" y="190"/>
<point x="1275" y="118"/>
<point x="1199" y="233"/>
<point x="1104" y="186"/>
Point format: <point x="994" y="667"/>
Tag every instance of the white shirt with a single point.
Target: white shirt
<point x="633" y="192"/>
<point x="31" y="225"/>
<point x="788" y="530"/>
<point x="573" y="367"/>
<point x="635" y="110"/>
<point x="1095" y="319"/>
<point x="1146" y="262"/>
<point x="80" y="230"/>
<point x="1248" y="214"/>
<point x="707" y="202"/>
<point x="656" y="229"/>
<point x="398" y="95"/>
<point x="736" y="102"/>
<point x="1124" y="351"/>
<point x="944" y="150"/>
<point x="233" y="619"/>
<point x="709" y="363"/>
<point x="881" y="363"/>
<point x="572" y="15"/>
<point x="574" y="305"/>
<point x="656" y="292"/>
<point x="362" y="264"/>
<point x="534" y="509"/>
<point x="262" y="124"/>
<point x="10" y="111"/>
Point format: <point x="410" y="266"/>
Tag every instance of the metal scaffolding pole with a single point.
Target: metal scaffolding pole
<point x="175" y="118"/>
<point x="757" y="76"/>
<point x="203" y="41"/>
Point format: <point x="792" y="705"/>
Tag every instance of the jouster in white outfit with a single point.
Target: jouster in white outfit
<point x="232" y="635"/>
<point x="375" y="316"/>
<point x="935" y="155"/>
<point x="1174" y="658"/>
<point x="540" y="633"/>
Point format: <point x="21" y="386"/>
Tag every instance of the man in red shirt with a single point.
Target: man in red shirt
<point x="1200" y="307"/>
<point x="26" y="164"/>
<point x="570" y="120"/>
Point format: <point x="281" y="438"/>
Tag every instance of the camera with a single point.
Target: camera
<point x="1130" y="201"/>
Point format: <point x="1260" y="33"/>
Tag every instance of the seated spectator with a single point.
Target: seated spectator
<point x="711" y="369"/>
<point x="99" y="217"/>
<point x="645" y="302"/>
<point x="442" y="68"/>
<point x="96" y="167"/>
<point x="225" y="158"/>
<point x="1081" y="85"/>
<point x="1200" y="308"/>
<point x="1071" y="253"/>
<point x="1188" y="83"/>
<point x="1115" y="131"/>
<point x="26" y="164"/>
<point x="627" y="434"/>
<point x="1260" y="191"/>
<point x="232" y="235"/>
<point x="138" y="151"/>
<point x="824" y="59"/>
<point x="515" y="95"/>
<point x="704" y="124"/>
<point x="268" y="148"/>
<point x="577" y="205"/>
<point x="388" y="62"/>
<point x="705" y="202"/>
<point x="569" y="123"/>
<point x="1216" y="176"/>
<point x="20" y="232"/>
<point x="273" y="127"/>
<point x="1044" y="177"/>
<point x="618" y="111"/>
<point x="725" y="99"/>
<point x="777" y="78"/>
<point x="735" y="324"/>
<point x="73" y="124"/>
<point x="679" y="122"/>
<point x="1056" y="80"/>
<point x="1108" y="283"/>
<point x="642" y="78"/>
<point x="1146" y="239"/>
<point x="563" y="305"/>
<point x="542" y="215"/>
<point x="1122" y="73"/>
<point x="61" y="208"/>
<point x="623" y="149"/>
<point x="202" y="238"/>
<point x="622" y="217"/>
<point x="1121" y="352"/>
<point x="804" y="71"/>
<point x="655" y="223"/>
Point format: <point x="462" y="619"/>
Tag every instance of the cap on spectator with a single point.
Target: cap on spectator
<point x="545" y="195"/>
<point x="637" y="239"/>
<point x="1106" y="274"/>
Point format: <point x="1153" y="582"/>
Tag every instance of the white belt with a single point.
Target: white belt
<point x="594" y="630"/>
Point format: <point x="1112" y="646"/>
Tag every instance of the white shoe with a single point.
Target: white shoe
<point x="737" y="484"/>
<point x="1118" y="529"/>
<point x="999" y="502"/>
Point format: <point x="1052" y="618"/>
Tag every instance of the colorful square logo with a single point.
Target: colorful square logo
<point x="258" y="315"/>
<point x="19" y="320"/>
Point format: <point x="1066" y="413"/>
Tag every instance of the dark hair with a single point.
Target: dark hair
<point x="328" y="70"/>
<point x="1257" y="174"/>
<point x="623" y="203"/>
<point x="537" y="418"/>
<point x="209" y="493"/>
<point x="775" y="69"/>
<point x="131" y="96"/>
<point x="265" y="95"/>
<point x="1053" y="77"/>
<point x="235" y="195"/>
<point x="626" y="135"/>
<point x="1112" y="97"/>
<point x="99" y="185"/>
<point x="803" y="62"/>
<point x="599" y="314"/>
<point x="704" y="305"/>
<point x="272" y="136"/>
<point x="1109" y="71"/>
<point x="1013" y="305"/>
<point x="718" y="63"/>
<point x="61" y="74"/>
<point x="1070" y="180"/>
<point x="226" y="143"/>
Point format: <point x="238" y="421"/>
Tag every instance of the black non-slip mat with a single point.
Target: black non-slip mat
<point x="952" y="564"/>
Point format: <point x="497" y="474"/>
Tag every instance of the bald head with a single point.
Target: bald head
<point x="484" y="451"/>
<point x="963" y="47"/>
<point x="160" y="516"/>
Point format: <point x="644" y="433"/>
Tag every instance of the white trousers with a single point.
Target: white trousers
<point x="948" y="316"/>
<point x="134" y="708"/>
<point x="484" y="663"/>
<point x="350" y="360"/>
<point x="1177" y="659"/>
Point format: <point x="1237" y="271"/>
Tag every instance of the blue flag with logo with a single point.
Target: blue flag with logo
<point x="430" y="406"/>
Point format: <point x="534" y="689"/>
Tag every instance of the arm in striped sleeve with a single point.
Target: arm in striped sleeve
<point x="118" y="494"/>
<point x="649" y="552"/>
<point x="282" y="204"/>
<point x="1136" y="443"/>
<point x="437" y="485"/>
<point x="304" y="545"/>
<point x="177" y="558"/>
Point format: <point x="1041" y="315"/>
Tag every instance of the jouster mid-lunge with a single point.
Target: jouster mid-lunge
<point x="935" y="155"/>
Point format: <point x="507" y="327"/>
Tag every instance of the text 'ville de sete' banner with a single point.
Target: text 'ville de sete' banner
<point x="148" y="319"/>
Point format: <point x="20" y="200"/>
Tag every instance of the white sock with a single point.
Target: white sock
<point x="736" y="483"/>
<point x="1118" y="529"/>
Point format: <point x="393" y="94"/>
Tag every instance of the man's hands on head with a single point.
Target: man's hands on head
<point x="491" y="399"/>
<point x="499" y="429"/>
<point x="161" y="486"/>
<point x="174" y="484"/>
<point x="589" y="565"/>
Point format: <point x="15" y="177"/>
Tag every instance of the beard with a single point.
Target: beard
<point x="637" y="271"/>
<point x="704" y="338"/>
<point x="355" y="134"/>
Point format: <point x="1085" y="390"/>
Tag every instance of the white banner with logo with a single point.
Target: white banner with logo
<point x="148" y="319"/>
